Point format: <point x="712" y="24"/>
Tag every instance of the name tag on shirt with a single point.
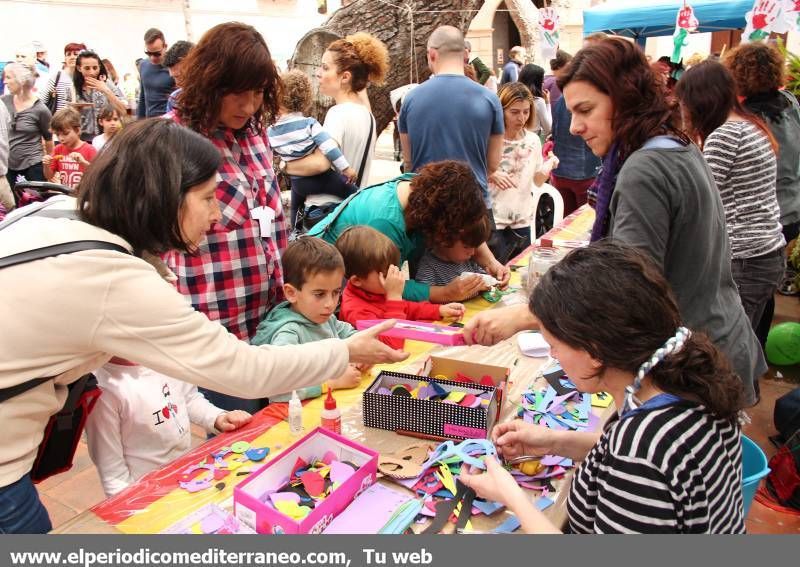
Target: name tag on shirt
<point x="265" y="217"/>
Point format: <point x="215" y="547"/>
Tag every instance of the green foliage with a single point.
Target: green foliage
<point x="792" y="69"/>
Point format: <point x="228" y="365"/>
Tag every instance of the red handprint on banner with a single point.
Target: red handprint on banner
<point x="764" y="13"/>
<point x="686" y="19"/>
<point x="548" y="19"/>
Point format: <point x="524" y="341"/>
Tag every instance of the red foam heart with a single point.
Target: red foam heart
<point x="298" y="464"/>
<point x="165" y="412"/>
<point x="487" y="381"/>
<point x="313" y="483"/>
<point x="468" y="401"/>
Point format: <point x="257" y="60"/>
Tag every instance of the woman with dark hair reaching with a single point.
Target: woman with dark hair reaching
<point x="670" y="461"/>
<point x="432" y="207"/>
<point x="230" y="94"/>
<point x="741" y="153"/>
<point x="655" y="192"/>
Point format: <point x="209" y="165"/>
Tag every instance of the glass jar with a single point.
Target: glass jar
<point x="541" y="260"/>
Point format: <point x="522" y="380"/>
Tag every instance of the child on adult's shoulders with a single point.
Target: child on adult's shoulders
<point x="72" y="156"/>
<point x="445" y="261"/>
<point x="375" y="284"/>
<point x="313" y="271"/>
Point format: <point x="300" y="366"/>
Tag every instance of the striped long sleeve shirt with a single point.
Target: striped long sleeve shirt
<point x="295" y="136"/>
<point x="673" y="469"/>
<point x="745" y="168"/>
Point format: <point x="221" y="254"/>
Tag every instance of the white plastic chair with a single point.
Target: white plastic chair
<point x="558" y="205"/>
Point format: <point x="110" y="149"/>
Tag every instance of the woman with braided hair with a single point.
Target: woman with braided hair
<point x="670" y="461"/>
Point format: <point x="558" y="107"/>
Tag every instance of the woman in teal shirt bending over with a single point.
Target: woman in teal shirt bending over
<point x="415" y="210"/>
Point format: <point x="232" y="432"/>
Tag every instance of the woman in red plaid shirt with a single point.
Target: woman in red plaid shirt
<point x="230" y="92"/>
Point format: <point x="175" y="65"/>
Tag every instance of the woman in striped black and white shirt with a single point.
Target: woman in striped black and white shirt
<point x="61" y="85"/>
<point x="741" y="152"/>
<point x="670" y="461"/>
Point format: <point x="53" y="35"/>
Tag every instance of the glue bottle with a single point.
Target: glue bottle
<point x="331" y="416"/>
<point x="295" y="415"/>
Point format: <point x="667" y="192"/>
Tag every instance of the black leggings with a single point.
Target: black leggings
<point x="328" y="183"/>
<point x="32" y="173"/>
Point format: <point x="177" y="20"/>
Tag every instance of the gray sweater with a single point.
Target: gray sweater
<point x="665" y="202"/>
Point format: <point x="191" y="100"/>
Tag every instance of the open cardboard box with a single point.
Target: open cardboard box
<point x="449" y="367"/>
<point x="430" y="419"/>
<point x="250" y="495"/>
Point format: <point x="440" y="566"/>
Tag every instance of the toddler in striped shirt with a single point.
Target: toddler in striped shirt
<point x="294" y="136"/>
<point x="442" y="263"/>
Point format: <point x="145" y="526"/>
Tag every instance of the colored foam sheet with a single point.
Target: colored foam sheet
<point x="602" y="399"/>
<point x="487" y="508"/>
<point x="509" y="526"/>
<point x="240" y="447"/>
<point x="292" y="510"/>
<point x="276" y="497"/>
<point x="543" y="503"/>
<point x="554" y="379"/>
<point x="314" y="483"/>
<point x="298" y="465"/>
<point x="257" y="453"/>
<point x="340" y="472"/>
<point x="368" y="513"/>
<point x="418" y="331"/>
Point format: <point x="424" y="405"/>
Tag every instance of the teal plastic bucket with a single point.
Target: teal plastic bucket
<point x="754" y="468"/>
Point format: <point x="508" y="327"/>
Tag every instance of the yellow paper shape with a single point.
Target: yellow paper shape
<point x="447" y="479"/>
<point x="602" y="400"/>
<point x="292" y="509"/>
<point x="195" y="529"/>
<point x="456" y="396"/>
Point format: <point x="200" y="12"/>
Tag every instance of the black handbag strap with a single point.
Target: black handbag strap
<point x="366" y="150"/>
<point x="57" y="250"/>
<point x="64" y="417"/>
<point x="8" y="393"/>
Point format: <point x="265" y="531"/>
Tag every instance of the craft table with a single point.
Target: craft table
<point x="156" y="502"/>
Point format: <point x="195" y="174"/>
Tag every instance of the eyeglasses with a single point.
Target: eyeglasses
<point x="154" y="53"/>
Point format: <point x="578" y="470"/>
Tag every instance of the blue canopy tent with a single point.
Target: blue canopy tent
<point x="632" y="19"/>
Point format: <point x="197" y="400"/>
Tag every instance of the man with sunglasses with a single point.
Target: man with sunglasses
<point x="156" y="83"/>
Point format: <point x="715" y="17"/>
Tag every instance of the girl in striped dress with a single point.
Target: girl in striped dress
<point x="670" y="461"/>
<point x="741" y="152"/>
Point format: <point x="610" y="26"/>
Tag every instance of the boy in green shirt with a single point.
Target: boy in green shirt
<point x="313" y="275"/>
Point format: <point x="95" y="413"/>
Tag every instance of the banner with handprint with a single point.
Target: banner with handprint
<point x="789" y="18"/>
<point x="762" y="20"/>
<point x="548" y="32"/>
<point x="685" y="23"/>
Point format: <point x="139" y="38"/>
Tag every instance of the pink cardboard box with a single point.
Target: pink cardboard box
<point x="418" y="331"/>
<point x="249" y="496"/>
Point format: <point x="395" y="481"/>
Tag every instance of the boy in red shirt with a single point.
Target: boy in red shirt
<point x="72" y="155"/>
<point x="375" y="284"/>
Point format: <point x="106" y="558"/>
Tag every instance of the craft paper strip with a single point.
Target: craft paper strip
<point x="487" y="508"/>
<point x="543" y="503"/>
<point x="509" y="526"/>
